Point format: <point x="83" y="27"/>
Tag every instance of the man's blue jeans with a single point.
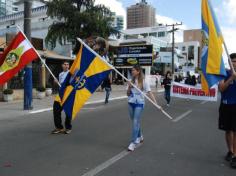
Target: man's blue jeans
<point x="135" y="112"/>
<point x="108" y="92"/>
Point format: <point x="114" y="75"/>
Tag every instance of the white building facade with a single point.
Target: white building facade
<point x="39" y="26"/>
<point x="191" y="53"/>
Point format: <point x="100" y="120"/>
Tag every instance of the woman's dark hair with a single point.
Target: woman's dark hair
<point x="233" y="56"/>
<point x="168" y="72"/>
<point x="140" y="77"/>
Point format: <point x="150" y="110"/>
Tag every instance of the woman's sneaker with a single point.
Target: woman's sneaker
<point x="229" y="156"/>
<point x="233" y="162"/>
<point x="139" y="140"/>
<point x="131" y="147"/>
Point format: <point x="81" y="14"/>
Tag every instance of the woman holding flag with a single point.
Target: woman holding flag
<point x="136" y="103"/>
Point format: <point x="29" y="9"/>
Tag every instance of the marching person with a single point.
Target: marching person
<point x="167" y="86"/>
<point x="136" y="104"/>
<point x="107" y="86"/>
<point x="57" y="108"/>
<point x="227" y="112"/>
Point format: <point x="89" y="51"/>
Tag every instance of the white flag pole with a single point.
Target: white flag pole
<point x="149" y="99"/>
<point x="39" y="56"/>
<point x="229" y="59"/>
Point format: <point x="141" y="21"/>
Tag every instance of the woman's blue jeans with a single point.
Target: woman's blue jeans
<point x="167" y="95"/>
<point x="135" y="112"/>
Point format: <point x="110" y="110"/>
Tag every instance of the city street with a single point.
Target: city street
<point x="191" y="144"/>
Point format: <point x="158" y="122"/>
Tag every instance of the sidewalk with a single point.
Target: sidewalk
<point x="15" y="108"/>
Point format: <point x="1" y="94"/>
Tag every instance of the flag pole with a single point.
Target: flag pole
<point x="39" y="56"/>
<point x="229" y="59"/>
<point x="149" y="99"/>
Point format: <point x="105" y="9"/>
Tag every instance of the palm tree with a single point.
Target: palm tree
<point x="77" y="18"/>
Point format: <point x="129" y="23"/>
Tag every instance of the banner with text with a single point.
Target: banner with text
<point x="193" y="92"/>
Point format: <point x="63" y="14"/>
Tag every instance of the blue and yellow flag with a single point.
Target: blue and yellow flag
<point x="86" y="74"/>
<point x="213" y="68"/>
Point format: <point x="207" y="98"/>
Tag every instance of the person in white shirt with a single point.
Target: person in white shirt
<point x="136" y="101"/>
<point x="57" y="108"/>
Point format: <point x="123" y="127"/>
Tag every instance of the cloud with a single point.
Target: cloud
<point x="115" y="6"/>
<point x="230" y="38"/>
<point x="229" y="7"/>
<point x="167" y="20"/>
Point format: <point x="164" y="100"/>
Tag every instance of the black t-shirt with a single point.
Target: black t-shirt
<point x="167" y="83"/>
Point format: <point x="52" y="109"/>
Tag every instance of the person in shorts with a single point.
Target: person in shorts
<point x="227" y="112"/>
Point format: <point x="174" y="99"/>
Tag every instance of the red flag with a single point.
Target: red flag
<point x="17" y="55"/>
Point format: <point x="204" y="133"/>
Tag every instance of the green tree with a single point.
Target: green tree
<point x="77" y="18"/>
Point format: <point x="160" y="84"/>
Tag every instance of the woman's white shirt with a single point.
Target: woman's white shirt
<point x="136" y="97"/>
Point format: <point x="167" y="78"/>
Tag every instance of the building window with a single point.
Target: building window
<point x="190" y="52"/>
<point x="153" y="34"/>
<point x="161" y="34"/>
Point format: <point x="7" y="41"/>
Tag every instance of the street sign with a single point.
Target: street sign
<point x="133" y="55"/>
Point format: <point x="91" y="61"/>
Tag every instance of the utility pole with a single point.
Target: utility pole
<point x="28" y="81"/>
<point x="173" y="43"/>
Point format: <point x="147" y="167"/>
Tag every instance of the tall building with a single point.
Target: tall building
<point x="141" y="15"/>
<point x="7" y="7"/>
<point x="193" y="35"/>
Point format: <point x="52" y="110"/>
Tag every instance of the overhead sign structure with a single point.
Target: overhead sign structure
<point x="133" y="55"/>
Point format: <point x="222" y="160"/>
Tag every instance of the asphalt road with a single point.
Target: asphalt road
<point x="191" y="145"/>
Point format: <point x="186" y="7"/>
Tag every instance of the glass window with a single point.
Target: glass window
<point x="190" y="52"/>
<point x="161" y="34"/>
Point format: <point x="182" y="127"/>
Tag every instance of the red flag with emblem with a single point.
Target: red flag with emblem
<point x="17" y="55"/>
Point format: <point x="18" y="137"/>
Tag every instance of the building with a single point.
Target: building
<point x="39" y="26"/>
<point x="35" y="4"/>
<point x="118" y="22"/>
<point x="194" y="35"/>
<point x="158" y="35"/>
<point x="39" y="29"/>
<point x="191" y="52"/>
<point x="7" y="7"/>
<point x="141" y="15"/>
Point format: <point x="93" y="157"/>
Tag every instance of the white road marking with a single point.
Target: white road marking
<point x="108" y="163"/>
<point x="102" y="101"/>
<point x="88" y="103"/>
<point x="203" y="102"/>
<point x="182" y="116"/>
<point x="40" y="110"/>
